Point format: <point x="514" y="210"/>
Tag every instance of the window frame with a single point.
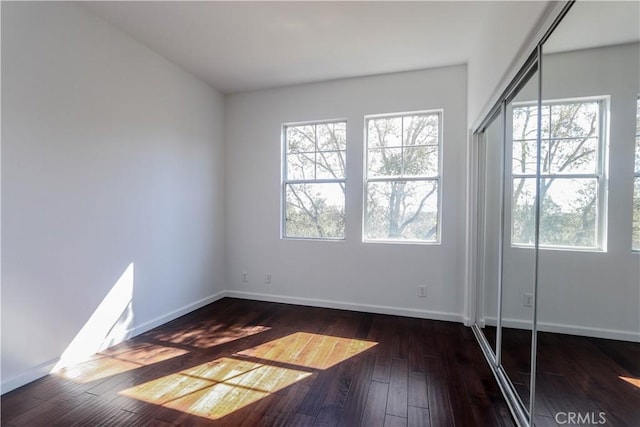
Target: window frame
<point x="284" y="170"/>
<point x="401" y="178"/>
<point x="601" y="175"/>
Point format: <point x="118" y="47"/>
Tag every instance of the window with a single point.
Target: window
<point x="572" y="181"/>
<point x="636" y="185"/>
<point x="314" y="180"/>
<point x="402" y="188"/>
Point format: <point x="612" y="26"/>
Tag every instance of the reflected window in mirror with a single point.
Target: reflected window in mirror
<point x="636" y="185"/>
<point x="571" y="171"/>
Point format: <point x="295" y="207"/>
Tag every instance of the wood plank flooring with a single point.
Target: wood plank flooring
<point x="247" y="363"/>
<point x="576" y="374"/>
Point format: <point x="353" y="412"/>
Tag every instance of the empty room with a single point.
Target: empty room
<point x="371" y="213"/>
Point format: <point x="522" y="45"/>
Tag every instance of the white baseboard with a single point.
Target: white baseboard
<point x="558" y="328"/>
<point x="378" y="309"/>
<point x="28" y="376"/>
<point x="45" y="368"/>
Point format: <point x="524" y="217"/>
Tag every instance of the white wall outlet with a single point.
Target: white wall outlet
<point x="528" y="300"/>
<point x="245" y="277"/>
<point x="267" y="278"/>
<point x="422" y="291"/>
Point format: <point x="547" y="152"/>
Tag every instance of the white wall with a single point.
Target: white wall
<point x="111" y="155"/>
<point x="351" y="274"/>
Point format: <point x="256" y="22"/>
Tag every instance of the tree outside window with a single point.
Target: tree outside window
<point x="402" y="188"/>
<point x="314" y="181"/>
<point x="636" y="185"/>
<point x="571" y="173"/>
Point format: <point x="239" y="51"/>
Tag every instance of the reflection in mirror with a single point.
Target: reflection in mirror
<point x="489" y="219"/>
<point x="518" y="271"/>
<point x="588" y="354"/>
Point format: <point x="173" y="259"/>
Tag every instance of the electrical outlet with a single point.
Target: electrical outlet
<point x="245" y="277"/>
<point x="528" y="300"/>
<point x="422" y="291"/>
<point x="267" y="278"/>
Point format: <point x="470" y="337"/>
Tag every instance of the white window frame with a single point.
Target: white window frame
<point x="437" y="178"/>
<point x="600" y="175"/>
<point x="285" y="181"/>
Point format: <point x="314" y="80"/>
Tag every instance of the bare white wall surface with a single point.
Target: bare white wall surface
<point x="349" y="274"/>
<point x="112" y="186"/>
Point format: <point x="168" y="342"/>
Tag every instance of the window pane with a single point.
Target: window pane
<point x="332" y="136"/>
<point x="574" y="120"/>
<point x="637" y="154"/>
<point x="571" y="156"/>
<point x="421" y="129"/>
<point x="314" y="210"/>
<point x="638" y="117"/>
<point x="421" y="161"/>
<point x="330" y="165"/>
<point x="524" y="156"/>
<point x="301" y="166"/>
<point x="385" y="162"/>
<point x="636" y="214"/>
<point x="385" y="132"/>
<point x="402" y="210"/>
<point x="523" y="211"/>
<point x="525" y="122"/>
<point x="567" y="214"/>
<point x="301" y="139"/>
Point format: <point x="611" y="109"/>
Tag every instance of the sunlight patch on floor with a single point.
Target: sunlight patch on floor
<point x="632" y="381"/>
<point x="216" y="389"/>
<point x="220" y="387"/>
<point x="309" y="350"/>
<point x="208" y="335"/>
<point x="118" y="360"/>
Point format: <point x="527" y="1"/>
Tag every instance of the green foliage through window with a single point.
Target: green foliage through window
<point x="403" y="177"/>
<point x="636" y="185"/>
<point x="315" y="180"/>
<point x="571" y="173"/>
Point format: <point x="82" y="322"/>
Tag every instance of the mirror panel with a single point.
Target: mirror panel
<point x="518" y="271"/>
<point x="588" y="350"/>
<point x="490" y="154"/>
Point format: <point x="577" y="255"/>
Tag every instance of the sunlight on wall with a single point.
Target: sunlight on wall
<point x="218" y="388"/>
<point x="108" y="324"/>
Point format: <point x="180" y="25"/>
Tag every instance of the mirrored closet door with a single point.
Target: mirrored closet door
<point x="588" y="316"/>
<point x="557" y="257"/>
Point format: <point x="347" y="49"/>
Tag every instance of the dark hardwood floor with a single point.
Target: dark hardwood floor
<point x="581" y="375"/>
<point x="248" y="363"/>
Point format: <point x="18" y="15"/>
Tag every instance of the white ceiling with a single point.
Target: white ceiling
<point x="240" y="46"/>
